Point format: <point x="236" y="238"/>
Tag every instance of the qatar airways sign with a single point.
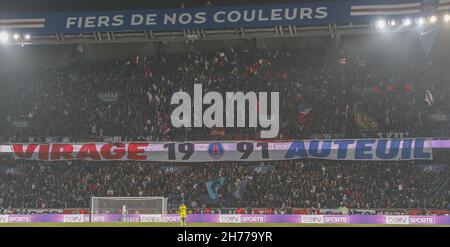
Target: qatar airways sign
<point x="317" y="13"/>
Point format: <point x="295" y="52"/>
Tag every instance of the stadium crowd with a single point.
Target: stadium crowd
<point x="348" y="95"/>
<point x="281" y="185"/>
<point x="320" y="93"/>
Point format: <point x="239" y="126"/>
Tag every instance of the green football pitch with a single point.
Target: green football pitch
<point x="141" y="224"/>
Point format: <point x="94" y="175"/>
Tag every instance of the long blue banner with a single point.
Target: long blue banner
<point x="300" y="14"/>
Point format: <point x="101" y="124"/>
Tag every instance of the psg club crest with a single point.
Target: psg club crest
<point x="215" y="150"/>
<point x="429" y="6"/>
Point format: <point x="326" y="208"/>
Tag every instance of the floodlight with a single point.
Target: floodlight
<point x="4" y="36"/>
<point x="447" y="18"/>
<point x="407" y="22"/>
<point x="433" y="19"/>
<point x="420" y="21"/>
<point x="381" y="24"/>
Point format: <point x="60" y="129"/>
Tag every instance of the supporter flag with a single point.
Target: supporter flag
<point x="213" y="187"/>
<point x="240" y="188"/>
<point x="428" y="97"/>
<point x="304" y="112"/>
<point x="365" y="121"/>
<point x="427" y="38"/>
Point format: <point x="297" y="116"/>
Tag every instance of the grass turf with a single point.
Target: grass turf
<point x="151" y="224"/>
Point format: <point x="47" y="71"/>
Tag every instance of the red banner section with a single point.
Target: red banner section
<point x="108" y="151"/>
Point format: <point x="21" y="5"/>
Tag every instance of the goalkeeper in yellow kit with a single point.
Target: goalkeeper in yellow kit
<point x="183" y="213"/>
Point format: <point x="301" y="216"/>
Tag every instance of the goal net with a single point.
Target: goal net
<point x="133" y="205"/>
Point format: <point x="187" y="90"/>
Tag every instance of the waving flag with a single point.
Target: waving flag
<point x="427" y="38"/>
<point x="213" y="187"/>
<point x="240" y="188"/>
<point x="304" y="112"/>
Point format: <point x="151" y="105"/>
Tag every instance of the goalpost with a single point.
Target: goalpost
<point x="134" y="205"/>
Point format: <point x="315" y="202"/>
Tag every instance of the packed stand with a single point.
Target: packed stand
<point x="281" y="185"/>
<point x="345" y="96"/>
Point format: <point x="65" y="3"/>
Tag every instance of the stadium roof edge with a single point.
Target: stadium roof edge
<point x="198" y="34"/>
